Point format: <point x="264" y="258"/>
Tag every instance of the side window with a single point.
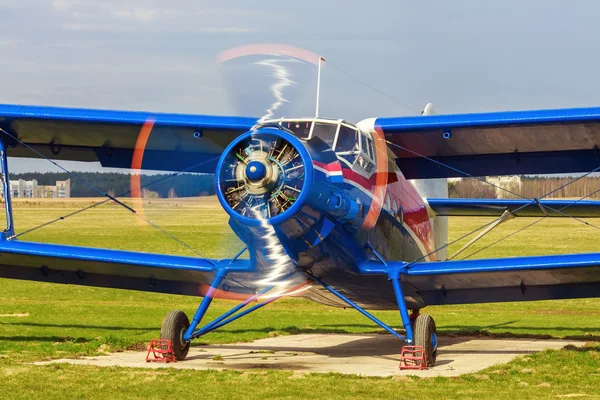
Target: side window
<point x="365" y="159"/>
<point x="325" y="132"/>
<point x="347" y="146"/>
<point x="347" y="140"/>
<point x="371" y="148"/>
<point x="367" y="146"/>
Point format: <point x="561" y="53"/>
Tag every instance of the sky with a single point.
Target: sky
<point x="463" y="56"/>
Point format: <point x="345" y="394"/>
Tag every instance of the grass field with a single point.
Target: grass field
<point x="42" y="321"/>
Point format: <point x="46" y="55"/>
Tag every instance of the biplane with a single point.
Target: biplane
<point x="344" y="214"/>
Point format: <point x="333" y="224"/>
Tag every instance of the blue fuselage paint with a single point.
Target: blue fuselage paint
<point x="318" y="234"/>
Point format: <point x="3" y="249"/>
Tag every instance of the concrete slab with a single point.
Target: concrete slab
<point x="369" y="355"/>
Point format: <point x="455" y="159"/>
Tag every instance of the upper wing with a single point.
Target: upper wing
<point x="499" y="279"/>
<point x="498" y="143"/>
<point x="172" y="142"/>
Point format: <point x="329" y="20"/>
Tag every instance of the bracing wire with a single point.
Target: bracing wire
<point x="534" y="223"/>
<point x="530" y="201"/>
<point x="104" y="194"/>
<point x="373" y="88"/>
<point x="455" y="169"/>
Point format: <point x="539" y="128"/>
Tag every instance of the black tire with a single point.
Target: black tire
<point x="424" y="330"/>
<point x="173" y="327"/>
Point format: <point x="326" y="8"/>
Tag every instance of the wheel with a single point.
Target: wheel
<point x="424" y="335"/>
<point x="173" y="327"/>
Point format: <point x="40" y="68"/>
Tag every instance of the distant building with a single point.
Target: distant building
<point x="23" y="188"/>
<point x="30" y="189"/>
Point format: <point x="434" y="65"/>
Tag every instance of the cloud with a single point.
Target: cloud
<point x="62" y="5"/>
<point x="142" y="14"/>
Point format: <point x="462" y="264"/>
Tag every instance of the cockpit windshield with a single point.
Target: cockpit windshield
<point x="300" y="129"/>
<point x="352" y="146"/>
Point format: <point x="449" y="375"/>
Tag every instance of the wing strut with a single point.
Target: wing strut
<point x="10" y="228"/>
<point x="506" y="216"/>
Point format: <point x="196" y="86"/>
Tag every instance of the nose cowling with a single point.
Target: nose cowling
<point x="264" y="175"/>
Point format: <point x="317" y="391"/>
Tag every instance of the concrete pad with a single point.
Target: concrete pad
<point x="369" y="355"/>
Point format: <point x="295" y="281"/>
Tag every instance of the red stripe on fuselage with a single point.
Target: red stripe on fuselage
<point x="401" y="191"/>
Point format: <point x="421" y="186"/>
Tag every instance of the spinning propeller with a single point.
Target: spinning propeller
<point x="263" y="175"/>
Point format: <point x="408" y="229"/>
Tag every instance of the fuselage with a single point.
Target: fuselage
<point x="387" y="217"/>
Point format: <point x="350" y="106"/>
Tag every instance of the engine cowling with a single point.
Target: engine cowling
<point x="264" y="175"/>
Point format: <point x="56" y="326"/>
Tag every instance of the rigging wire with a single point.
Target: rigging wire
<point x="495" y="220"/>
<point x="531" y="224"/>
<point x="373" y="88"/>
<point x="531" y="201"/>
<point x="61" y="218"/>
<point x="109" y="198"/>
<point x="456" y="170"/>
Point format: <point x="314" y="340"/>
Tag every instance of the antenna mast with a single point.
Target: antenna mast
<point x="318" y="86"/>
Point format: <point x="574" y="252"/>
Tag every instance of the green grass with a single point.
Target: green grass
<point x="545" y="375"/>
<point x="70" y="321"/>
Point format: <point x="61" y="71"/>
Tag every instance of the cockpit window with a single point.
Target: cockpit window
<point x="347" y="146"/>
<point x="325" y="132"/>
<point x="347" y="140"/>
<point x="300" y="129"/>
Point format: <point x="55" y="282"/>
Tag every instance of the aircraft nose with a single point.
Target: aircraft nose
<point x="264" y="174"/>
<point x="256" y="171"/>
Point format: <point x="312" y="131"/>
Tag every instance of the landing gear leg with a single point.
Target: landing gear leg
<point x="420" y="328"/>
<point x="176" y="325"/>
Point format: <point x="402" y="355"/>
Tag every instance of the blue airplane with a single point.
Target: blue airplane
<point x="344" y="214"/>
<point x="339" y="213"/>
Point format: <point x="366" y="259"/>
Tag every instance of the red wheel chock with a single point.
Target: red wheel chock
<point x="413" y="357"/>
<point x="161" y="350"/>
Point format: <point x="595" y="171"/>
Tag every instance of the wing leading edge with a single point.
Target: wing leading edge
<point x="499" y="279"/>
<point x="177" y="142"/>
<point x="497" y="143"/>
<point x="520" y="208"/>
<point x="113" y="268"/>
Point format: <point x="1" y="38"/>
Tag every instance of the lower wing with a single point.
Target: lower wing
<point x="118" y="269"/>
<point x="499" y="279"/>
<point x="519" y="208"/>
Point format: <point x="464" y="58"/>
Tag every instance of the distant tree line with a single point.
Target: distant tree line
<point x="190" y="185"/>
<point x="118" y="184"/>
<point x="471" y="188"/>
<point x="534" y="186"/>
<point x="530" y="187"/>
